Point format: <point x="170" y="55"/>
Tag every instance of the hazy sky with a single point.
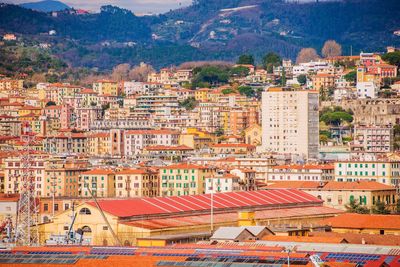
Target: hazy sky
<point x="155" y="6"/>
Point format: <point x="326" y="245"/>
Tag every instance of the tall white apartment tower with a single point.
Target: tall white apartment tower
<point x="290" y="122"/>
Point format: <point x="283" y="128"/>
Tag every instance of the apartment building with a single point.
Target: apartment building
<point x="14" y="175"/>
<point x="62" y="176"/>
<point x="106" y="87"/>
<point x="372" y="139"/>
<point x="136" y="140"/>
<point x="384" y="171"/>
<point x="222" y="182"/>
<point x="136" y="183"/>
<point x="100" y="182"/>
<point x="183" y="179"/>
<point x="290" y="122"/>
<point x="295" y="172"/>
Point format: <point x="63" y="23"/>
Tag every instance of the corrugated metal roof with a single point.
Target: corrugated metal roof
<point x="232" y="200"/>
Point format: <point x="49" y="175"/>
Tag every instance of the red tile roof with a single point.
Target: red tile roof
<point x="363" y="221"/>
<point x="98" y="172"/>
<point x="133" y="171"/>
<point x="151" y="132"/>
<point x="222" y="201"/>
<point x="304" y="167"/>
<point x="233" y="145"/>
<point x="184" y="165"/>
<point x="169" y="148"/>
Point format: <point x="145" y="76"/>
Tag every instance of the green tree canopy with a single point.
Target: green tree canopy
<point x="380" y="208"/>
<point x="246" y="59"/>
<point x="247" y="91"/>
<point x="302" y="79"/>
<point x="209" y="75"/>
<point x="270" y="61"/>
<point x="356" y="207"/>
<point x="351" y="76"/>
<point x="392" y="58"/>
<point x="240" y="71"/>
<point x="336" y="118"/>
<point x="189" y="103"/>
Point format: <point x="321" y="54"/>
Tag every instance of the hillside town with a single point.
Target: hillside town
<point x="304" y="152"/>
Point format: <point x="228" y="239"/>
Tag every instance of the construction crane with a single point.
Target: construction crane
<point x="27" y="232"/>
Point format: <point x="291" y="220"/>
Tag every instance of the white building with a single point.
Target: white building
<point x="300" y="173"/>
<point x="290" y="122"/>
<point x="382" y="171"/>
<point x="372" y="139"/>
<point x="367" y="89"/>
<point x="222" y="182"/>
<point x="136" y="140"/>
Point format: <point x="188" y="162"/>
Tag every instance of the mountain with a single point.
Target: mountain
<point x="45" y="6"/>
<point x="208" y="30"/>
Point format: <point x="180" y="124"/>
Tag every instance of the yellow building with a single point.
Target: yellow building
<point x="105" y="87"/>
<point x="100" y="182"/>
<point x="136" y="183"/>
<point x="135" y="218"/>
<point x="99" y="144"/>
<point x="364" y="224"/>
<point x="202" y="94"/>
<point x="28" y="110"/>
<point x="253" y="135"/>
<point x="62" y="177"/>
<point x="183" y="179"/>
<point x="196" y="139"/>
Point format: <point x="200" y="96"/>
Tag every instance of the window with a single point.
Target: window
<point x="105" y="228"/>
<point x="85" y="211"/>
<point x="55" y="207"/>
<point x="46" y="207"/>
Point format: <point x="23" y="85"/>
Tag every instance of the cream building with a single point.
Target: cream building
<point x="290" y="122"/>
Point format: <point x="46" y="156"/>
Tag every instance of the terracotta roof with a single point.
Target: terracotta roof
<point x="98" y="172"/>
<point x="99" y="135"/>
<point x="151" y="132"/>
<point x="133" y="171"/>
<point x="233" y="145"/>
<point x="161" y="147"/>
<point x="184" y="165"/>
<point x="9" y="197"/>
<point x="356" y="238"/>
<point x="363" y="221"/>
<point x="304" y="167"/>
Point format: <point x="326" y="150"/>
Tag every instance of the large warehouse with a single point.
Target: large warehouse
<point x="149" y="217"/>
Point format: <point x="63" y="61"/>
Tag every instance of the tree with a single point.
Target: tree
<point x="246" y="59"/>
<point x="331" y="49"/>
<point x="208" y="76"/>
<point x="219" y="132"/>
<point x="189" y="103"/>
<point x="307" y="55"/>
<point x="227" y="91"/>
<point x="351" y="76"/>
<point x="247" y="91"/>
<point x="51" y="103"/>
<point x="380" y="208"/>
<point x="302" y="79"/>
<point x="392" y="58"/>
<point x="240" y="71"/>
<point x="355" y="207"/>
<point x="120" y="72"/>
<point x="336" y="118"/>
<point x="140" y="73"/>
<point x="270" y="61"/>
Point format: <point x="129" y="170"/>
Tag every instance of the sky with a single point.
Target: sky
<point x="137" y="6"/>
